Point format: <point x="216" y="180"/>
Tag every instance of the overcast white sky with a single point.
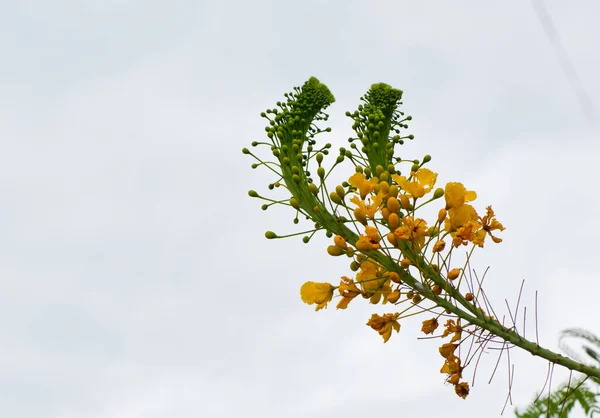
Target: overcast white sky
<point x="134" y="277"/>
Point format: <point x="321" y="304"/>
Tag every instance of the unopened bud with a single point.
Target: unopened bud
<point x="294" y="203"/>
<point x="340" y="191"/>
<point x="252" y="193"/>
<point x="404" y="201"/>
<point x="394" y="296"/>
<point x="334" y="251"/>
<point x="439" y="192"/>
<point x="393" y="205"/>
<point x="270" y="235"/>
<point x="453" y="274"/>
<point x="442" y="215"/>
<point x="395" y="277"/>
<point x="340" y="242"/>
<point x="405" y="262"/>
<point x="335" y="198"/>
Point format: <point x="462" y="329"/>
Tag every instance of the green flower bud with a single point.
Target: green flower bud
<point x="340" y="191"/>
<point x="439" y="192"/>
<point x="245" y="151"/>
<point x="296" y="178"/>
<point x="335" y="198"/>
<point x="427" y="158"/>
<point x="415" y="167"/>
<point x="294" y="202"/>
<point x="321" y="172"/>
<point x="270" y="235"/>
<point x="313" y="188"/>
<point x="339" y="159"/>
<point x="252" y="193"/>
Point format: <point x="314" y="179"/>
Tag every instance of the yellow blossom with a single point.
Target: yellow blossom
<point x="447" y="349"/>
<point x="369" y="241"/>
<point x="460" y="216"/>
<point x="456" y="194"/>
<point x="363" y="185"/>
<point x="385" y="324"/>
<point x="414" y="230"/>
<point x="462" y="389"/>
<point x="348" y="290"/>
<point x="373" y="282"/>
<point x="429" y="326"/>
<point x="422" y="182"/>
<point x="488" y="224"/>
<point x="319" y="293"/>
<point x="371" y="206"/>
<point x="453" y="327"/>
<point x="438" y="246"/>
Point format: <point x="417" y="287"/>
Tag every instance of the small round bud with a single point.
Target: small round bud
<point x="305" y="239"/>
<point x="270" y="235"/>
<point x="321" y="172"/>
<point x="339" y="159"/>
<point x="439" y="192"/>
<point x="328" y="234"/>
<point x="252" y="193"/>
<point x="393" y="192"/>
<point x="395" y="277"/>
<point x="313" y="188"/>
<point x="442" y="215"/>
<point x="245" y="151"/>
<point x="394" y="296"/>
<point x="393" y="221"/>
<point x="295" y="203"/>
<point x="334" y="251"/>
<point x="393" y="205"/>
<point x="414" y="168"/>
<point x="378" y="170"/>
<point x="264" y="207"/>
<point x="416" y="299"/>
<point x="436" y="290"/>
<point x="340" y="242"/>
<point x="335" y="198"/>
<point x="384" y="176"/>
<point x="319" y="158"/>
<point x="426" y="158"/>
<point x="411" y="136"/>
<point x="469" y="297"/>
<point x="453" y="274"/>
<point x="405" y="262"/>
<point x="340" y="191"/>
<point x="404" y="201"/>
<point x="354" y="266"/>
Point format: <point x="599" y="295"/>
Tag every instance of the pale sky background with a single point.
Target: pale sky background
<point x="135" y="280"/>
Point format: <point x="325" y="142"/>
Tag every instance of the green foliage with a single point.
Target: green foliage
<point x="560" y="402"/>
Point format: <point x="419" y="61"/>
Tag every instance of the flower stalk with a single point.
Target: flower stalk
<point x="398" y="255"/>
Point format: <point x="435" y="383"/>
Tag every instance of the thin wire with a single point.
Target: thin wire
<point x="564" y="60"/>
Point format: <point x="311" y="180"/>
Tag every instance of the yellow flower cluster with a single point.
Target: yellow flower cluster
<point x="385" y="206"/>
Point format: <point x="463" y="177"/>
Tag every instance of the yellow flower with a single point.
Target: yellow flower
<point x="430" y="325"/>
<point x="452" y="327"/>
<point x="459" y="216"/>
<point x="369" y="241"/>
<point x="385" y="324"/>
<point x="414" y="230"/>
<point x="373" y="282"/>
<point x="422" y="182"/>
<point x="319" y="293"/>
<point x="370" y="208"/>
<point x="447" y="350"/>
<point x="488" y="224"/>
<point x="456" y="194"/>
<point x="462" y="389"/>
<point x="348" y="290"/>
<point x="363" y="185"/>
